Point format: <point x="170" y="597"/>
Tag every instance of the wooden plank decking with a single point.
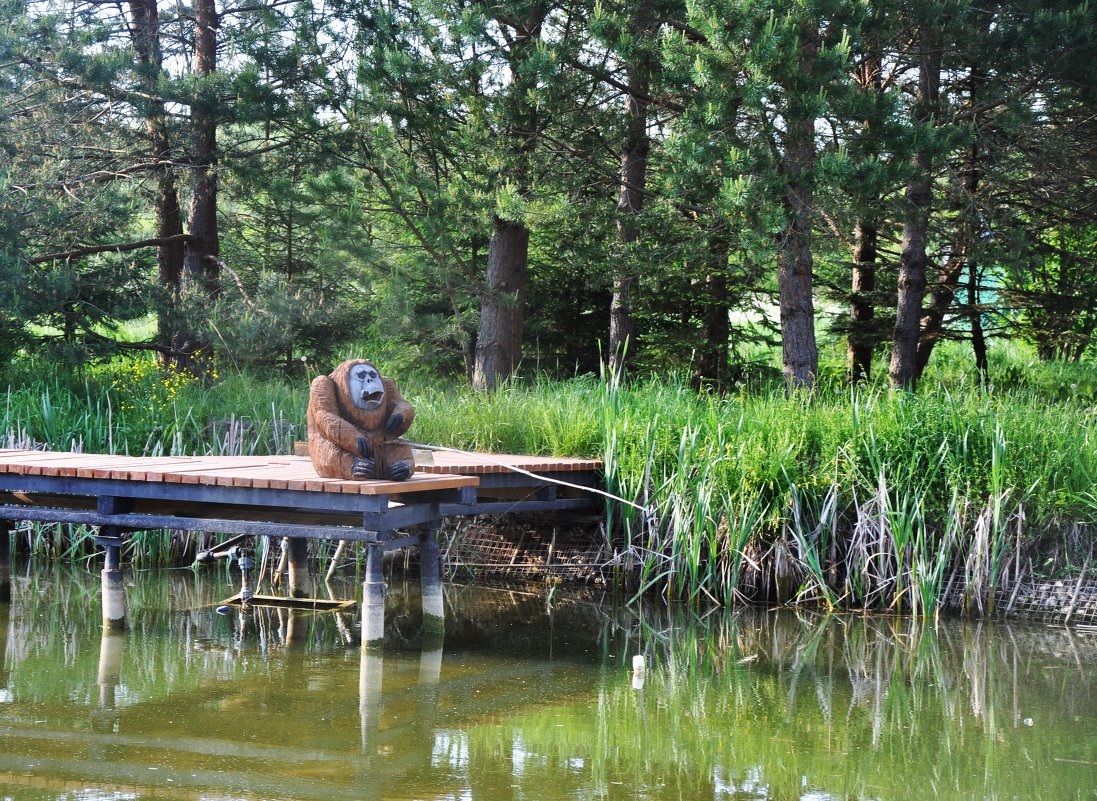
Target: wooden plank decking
<point x="254" y="472"/>
<point x="277" y="472"/>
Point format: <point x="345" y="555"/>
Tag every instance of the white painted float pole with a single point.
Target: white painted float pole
<point x="638" y="672"/>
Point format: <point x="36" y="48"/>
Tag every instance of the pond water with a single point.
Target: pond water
<point x="532" y="696"/>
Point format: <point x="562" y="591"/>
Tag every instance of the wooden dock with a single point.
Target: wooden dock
<point x="225" y="493"/>
<point x="282" y="496"/>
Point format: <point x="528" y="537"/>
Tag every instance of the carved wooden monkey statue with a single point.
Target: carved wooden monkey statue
<point x="354" y="419"/>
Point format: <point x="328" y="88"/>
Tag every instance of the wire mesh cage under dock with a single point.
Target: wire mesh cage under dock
<point x="1067" y="601"/>
<point x="520" y="547"/>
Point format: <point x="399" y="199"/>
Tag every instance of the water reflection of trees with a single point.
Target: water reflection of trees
<point x="762" y="705"/>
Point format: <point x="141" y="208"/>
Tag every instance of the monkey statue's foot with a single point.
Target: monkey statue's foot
<point x="400" y="471"/>
<point x="362" y="468"/>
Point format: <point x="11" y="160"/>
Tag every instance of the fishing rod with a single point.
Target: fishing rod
<point x="540" y="477"/>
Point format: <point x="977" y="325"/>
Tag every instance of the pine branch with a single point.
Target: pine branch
<point x="609" y="80"/>
<point x="117" y="247"/>
<point x="692" y="34"/>
<point x="255" y="7"/>
<point x="164" y="350"/>
<point x="105" y="176"/>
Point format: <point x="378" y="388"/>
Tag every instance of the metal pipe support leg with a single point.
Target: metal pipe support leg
<point x="114" y="593"/>
<point x="430" y="579"/>
<point x="298" y="550"/>
<point x="373" y="598"/>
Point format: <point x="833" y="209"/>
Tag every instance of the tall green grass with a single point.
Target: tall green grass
<point x="845" y="497"/>
<point x="138" y="407"/>
<point x="872" y="499"/>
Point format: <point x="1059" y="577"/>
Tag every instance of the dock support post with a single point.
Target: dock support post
<point x="114" y="594"/>
<point x="373" y="597"/>
<point x="430" y="578"/>
<point x="298" y="550"/>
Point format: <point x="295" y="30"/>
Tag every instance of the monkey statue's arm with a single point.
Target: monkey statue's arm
<point x="401" y="413"/>
<point x="324" y="417"/>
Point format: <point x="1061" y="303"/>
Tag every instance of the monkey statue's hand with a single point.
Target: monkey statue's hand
<point x="400" y="471"/>
<point x="395" y="421"/>
<point x="363" y="465"/>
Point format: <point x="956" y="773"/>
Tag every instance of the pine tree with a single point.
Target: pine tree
<point x="772" y="70"/>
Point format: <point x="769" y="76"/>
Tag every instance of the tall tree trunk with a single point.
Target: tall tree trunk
<point x="941" y="296"/>
<point x="861" y="341"/>
<point x="291" y="232"/>
<point x="947" y="285"/>
<point x="200" y="266"/>
<point x="634" y="166"/>
<point x="799" y="353"/>
<point x="711" y="362"/>
<point x="499" y="341"/>
<point x="903" y="371"/>
<point x="145" y="34"/>
<point x="502" y="307"/>
<point x="978" y="338"/>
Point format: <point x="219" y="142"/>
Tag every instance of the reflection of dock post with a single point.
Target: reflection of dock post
<point x="110" y="666"/>
<point x="5" y="564"/>
<point x="430" y="661"/>
<point x="5" y="622"/>
<point x="297" y="549"/>
<point x="104" y="719"/>
<point x="114" y="594"/>
<point x="373" y="597"/>
<point x="369" y="695"/>
<point x="430" y="572"/>
<point x="296" y="627"/>
<point x="426" y="706"/>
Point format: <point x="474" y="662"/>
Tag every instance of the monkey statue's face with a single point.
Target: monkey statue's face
<point x="366" y="390"/>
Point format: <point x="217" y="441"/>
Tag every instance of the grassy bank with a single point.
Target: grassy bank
<point x="859" y="498"/>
